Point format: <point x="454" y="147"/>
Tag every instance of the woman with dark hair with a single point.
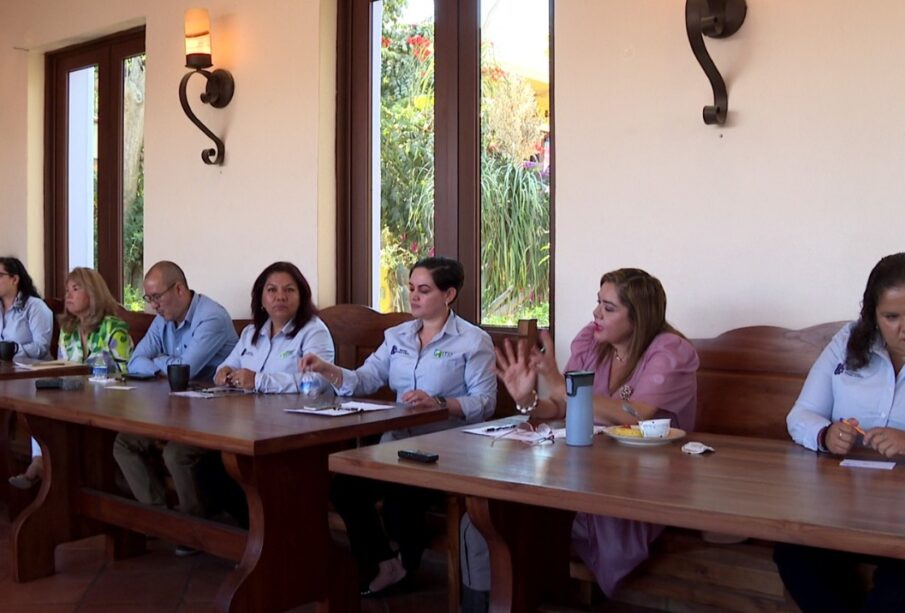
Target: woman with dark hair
<point x="286" y="326"/>
<point x="437" y="359"/>
<point x="855" y="391"/>
<point x="24" y="317"/>
<point x="89" y="328"/>
<point x="643" y="368"/>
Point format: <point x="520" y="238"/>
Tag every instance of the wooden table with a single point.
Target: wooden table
<point x="16" y="499"/>
<point x="8" y="371"/>
<point x="521" y="497"/>
<point x="286" y="558"/>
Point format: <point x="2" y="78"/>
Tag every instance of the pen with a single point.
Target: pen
<point x="498" y="428"/>
<point x="857" y="428"/>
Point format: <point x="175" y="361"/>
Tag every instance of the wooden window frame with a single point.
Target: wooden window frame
<point x="457" y="159"/>
<point x="108" y="54"/>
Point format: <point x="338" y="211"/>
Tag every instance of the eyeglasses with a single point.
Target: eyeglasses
<point x="155" y="298"/>
<point x="528" y="434"/>
<point x="5" y="274"/>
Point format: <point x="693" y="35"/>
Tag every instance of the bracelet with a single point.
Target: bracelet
<point x="527" y="409"/>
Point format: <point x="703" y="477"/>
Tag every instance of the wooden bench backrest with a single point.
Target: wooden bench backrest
<point x="357" y="332"/>
<point x="749" y="378"/>
<point x="138" y="322"/>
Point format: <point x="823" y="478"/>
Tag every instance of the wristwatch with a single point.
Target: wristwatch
<point x="441" y="401"/>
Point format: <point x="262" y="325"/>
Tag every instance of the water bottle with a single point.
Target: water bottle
<point x="311" y="385"/>
<point x="99" y="366"/>
<point x="579" y="408"/>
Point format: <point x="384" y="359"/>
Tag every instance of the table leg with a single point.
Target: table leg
<point x="100" y="474"/>
<point x="50" y="519"/>
<point x="289" y="558"/>
<point x="529" y="551"/>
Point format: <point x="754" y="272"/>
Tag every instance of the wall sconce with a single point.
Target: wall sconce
<point x="717" y="19"/>
<point x="220" y="85"/>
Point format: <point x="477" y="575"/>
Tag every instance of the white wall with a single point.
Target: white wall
<point x="223" y="224"/>
<point x="775" y="218"/>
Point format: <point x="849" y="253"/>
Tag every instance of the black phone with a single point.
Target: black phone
<point x="139" y="376"/>
<point x="425" y="457"/>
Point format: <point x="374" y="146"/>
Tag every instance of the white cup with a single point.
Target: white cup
<point x="654" y="428"/>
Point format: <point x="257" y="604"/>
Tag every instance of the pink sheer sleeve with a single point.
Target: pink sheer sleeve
<point x="666" y="379"/>
<point x="584" y="350"/>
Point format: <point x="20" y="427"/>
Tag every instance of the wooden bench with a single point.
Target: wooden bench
<point x="748" y="380"/>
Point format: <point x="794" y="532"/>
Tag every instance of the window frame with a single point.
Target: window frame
<point x="457" y="155"/>
<point x="108" y="54"/>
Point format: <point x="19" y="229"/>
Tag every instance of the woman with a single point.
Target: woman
<point x="89" y="329"/>
<point x="285" y="327"/>
<point x="854" y="386"/>
<point x="24" y="316"/>
<point x="640" y="362"/>
<point x="436" y="359"/>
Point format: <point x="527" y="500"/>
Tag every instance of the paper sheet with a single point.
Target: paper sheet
<point x="868" y="464"/>
<point x="345" y="408"/>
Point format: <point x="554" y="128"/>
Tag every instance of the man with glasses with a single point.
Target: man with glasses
<point x="189" y="329"/>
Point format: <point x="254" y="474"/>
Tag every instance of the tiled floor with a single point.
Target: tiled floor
<point x="159" y="582"/>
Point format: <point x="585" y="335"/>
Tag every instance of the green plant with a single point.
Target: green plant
<point x="133" y="298"/>
<point x="514" y="194"/>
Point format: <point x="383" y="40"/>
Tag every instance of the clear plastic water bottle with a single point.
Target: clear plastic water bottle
<point x="100" y="366"/>
<point x="311" y="385"/>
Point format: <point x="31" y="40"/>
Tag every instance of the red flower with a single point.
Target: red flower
<point x="421" y="46"/>
<point x="385" y="42"/>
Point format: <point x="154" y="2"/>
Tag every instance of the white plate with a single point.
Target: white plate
<point x="639" y="441"/>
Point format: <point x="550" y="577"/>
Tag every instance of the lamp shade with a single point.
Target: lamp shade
<point x="197" y="39"/>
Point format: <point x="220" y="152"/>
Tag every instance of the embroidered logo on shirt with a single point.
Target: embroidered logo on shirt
<point x="286" y="354"/>
<point x="399" y="350"/>
<point x="443" y="354"/>
<point x="839" y="369"/>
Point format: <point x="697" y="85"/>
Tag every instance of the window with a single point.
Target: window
<point x="94" y="200"/>
<point x="444" y="146"/>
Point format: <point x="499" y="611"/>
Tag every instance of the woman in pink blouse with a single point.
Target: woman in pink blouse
<point x="637" y="359"/>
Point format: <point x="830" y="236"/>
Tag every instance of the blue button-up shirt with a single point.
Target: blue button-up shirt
<point x="29" y="322"/>
<point x="202" y="340"/>
<point x="276" y="360"/>
<point x="873" y="394"/>
<point x="457" y="363"/>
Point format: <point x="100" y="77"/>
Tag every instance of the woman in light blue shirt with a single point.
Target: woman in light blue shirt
<point x="24" y="316"/>
<point x="853" y="396"/>
<point x="436" y="359"/>
<point x="285" y="327"/>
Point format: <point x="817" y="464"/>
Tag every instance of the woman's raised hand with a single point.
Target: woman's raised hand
<point x="544" y="362"/>
<point x="514" y="369"/>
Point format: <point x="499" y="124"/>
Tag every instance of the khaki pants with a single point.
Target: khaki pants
<point x="131" y="453"/>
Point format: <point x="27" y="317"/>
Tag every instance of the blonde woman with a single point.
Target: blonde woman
<point x="88" y="328"/>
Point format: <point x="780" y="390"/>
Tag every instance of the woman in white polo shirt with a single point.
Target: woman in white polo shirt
<point x="285" y="327"/>
<point x="854" y="396"/>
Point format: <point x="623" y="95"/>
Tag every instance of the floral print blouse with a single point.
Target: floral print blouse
<point x="112" y="336"/>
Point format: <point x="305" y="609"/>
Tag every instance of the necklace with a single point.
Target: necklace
<point x="618" y="357"/>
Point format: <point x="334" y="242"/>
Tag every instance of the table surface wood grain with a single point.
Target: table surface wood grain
<point x="247" y="424"/>
<point x="751" y="487"/>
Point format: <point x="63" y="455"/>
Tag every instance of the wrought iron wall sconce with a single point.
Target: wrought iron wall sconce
<point x="220" y="85"/>
<point x="717" y="19"/>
